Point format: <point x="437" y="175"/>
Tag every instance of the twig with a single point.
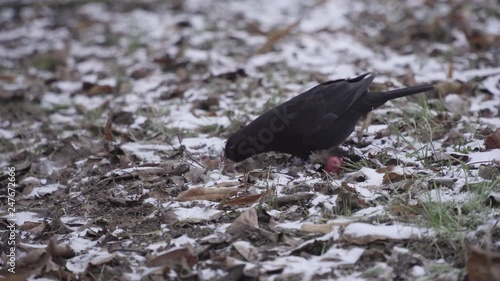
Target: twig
<point x="183" y="148"/>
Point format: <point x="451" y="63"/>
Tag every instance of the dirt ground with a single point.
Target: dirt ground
<point x="114" y="116"/>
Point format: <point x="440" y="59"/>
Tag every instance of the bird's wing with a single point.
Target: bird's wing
<point x="322" y="105"/>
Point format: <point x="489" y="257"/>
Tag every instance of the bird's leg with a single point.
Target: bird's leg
<point x="366" y="123"/>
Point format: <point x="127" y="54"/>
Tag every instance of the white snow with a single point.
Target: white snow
<point x="148" y="152"/>
<point x="80" y="263"/>
<point x="477" y="158"/>
<point x="393" y="232"/>
<point x="370" y="212"/>
<point x="42" y="191"/>
<point x="182" y="240"/>
<point x="22" y="217"/>
<point x="5" y="134"/>
<point x="196" y="214"/>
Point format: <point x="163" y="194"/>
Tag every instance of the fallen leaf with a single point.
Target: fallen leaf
<point x="489" y="172"/>
<point x="246" y="250"/>
<point x="34" y="227"/>
<point x="483" y="265"/>
<point x="165" y="60"/>
<point x="405" y="210"/>
<point x="141" y="73"/>
<point x="8" y="78"/>
<point x="205" y="193"/>
<point x="176" y="92"/>
<point x="492" y="140"/>
<point x="63" y="251"/>
<point x="247" y="221"/>
<point x="391" y="177"/>
<point x="317" y="228"/>
<point x="209" y="104"/>
<point x="232" y="75"/>
<point x="178" y="257"/>
<point x="33" y="258"/>
<point x="108" y="130"/>
<point x="13" y="277"/>
<point x="446" y="87"/>
<point x="348" y="200"/>
<point x="122" y="118"/>
<point x="242" y="201"/>
<point x="96" y="89"/>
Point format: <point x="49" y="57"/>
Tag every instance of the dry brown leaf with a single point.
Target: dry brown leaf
<point x="246" y="250"/>
<point x="276" y="36"/>
<point x="99" y="260"/>
<point x="247" y="199"/>
<point x="13" y="277"/>
<point x="33" y="258"/>
<point x="108" y="130"/>
<point x="242" y="201"/>
<point x="446" y="87"/>
<point x="205" y="193"/>
<point x="391" y="177"/>
<point x="492" y="140"/>
<point x="324" y="228"/>
<point x="8" y="78"/>
<point x="175" y="92"/>
<point x="33" y="227"/>
<point x="99" y="90"/>
<point x="405" y="210"/>
<point x="160" y="194"/>
<point x="451" y="68"/>
<point x="246" y="221"/>
<point x="176" y="257"/>
<point x="317" y="228"/>
<point x="489" y="172"/>
<point x="122" y="118"/>
<point x="141" y="73"/>
<point x="349" y="201"/>
<point x="480" y="41"/>
<point x="194" y="175"/>
<point x="165" y="60"/>
<point x="63" y="251"/>
<point x="227" y="184"/>
<point x="483" y="265"/>
<point x="384" y="169"/>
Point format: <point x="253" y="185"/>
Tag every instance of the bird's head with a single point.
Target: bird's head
<point x="238" y="148"/>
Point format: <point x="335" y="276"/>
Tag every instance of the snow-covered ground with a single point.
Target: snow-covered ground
<point x="115" y="116"/>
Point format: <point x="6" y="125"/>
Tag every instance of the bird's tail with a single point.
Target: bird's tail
<point x="372" y="100"/>
<point x="394" y="94"/>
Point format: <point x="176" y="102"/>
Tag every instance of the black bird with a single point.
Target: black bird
<point x="319" y="118"/>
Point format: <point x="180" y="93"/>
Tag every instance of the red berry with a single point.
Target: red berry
<point x="334" y="164"/>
